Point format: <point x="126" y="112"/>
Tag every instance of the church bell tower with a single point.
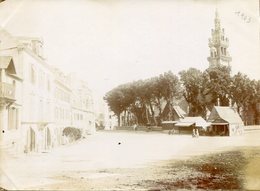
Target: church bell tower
<point x="218" y="44"/>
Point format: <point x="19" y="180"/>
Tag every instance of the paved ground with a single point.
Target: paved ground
<point x="128" y="160"/>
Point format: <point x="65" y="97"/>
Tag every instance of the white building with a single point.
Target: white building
<point x="38" y="101"/>
<point x="82" y="106"/>
<point x="62" y="103"/>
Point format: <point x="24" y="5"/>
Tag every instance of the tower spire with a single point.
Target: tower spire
<point x="217" y="20"/>
<point x="218" y="44"/>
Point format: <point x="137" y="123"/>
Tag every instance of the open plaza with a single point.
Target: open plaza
<point x="136" y="160"/>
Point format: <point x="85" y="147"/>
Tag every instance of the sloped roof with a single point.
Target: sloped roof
<point x="6" y="62"/>
<point x="226" y="113"/>
<point x="186" y="124"/>
<point x="176" y="107"/>
<point x="169" y="122"/>
<point x="199" y="121"/>
<point x="179" y="111"/>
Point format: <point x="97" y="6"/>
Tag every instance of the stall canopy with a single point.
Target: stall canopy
<point x="224" y="115"/>
<point x="169" y="122"/>
<point x="198" y="121"/>
<point x="182" y="124"/>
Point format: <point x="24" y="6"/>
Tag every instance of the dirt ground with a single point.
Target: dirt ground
<point x="141" y="161"/>
<point x="226" y="171"/>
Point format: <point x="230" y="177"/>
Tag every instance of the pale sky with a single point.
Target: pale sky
<point x="109" y="42"/>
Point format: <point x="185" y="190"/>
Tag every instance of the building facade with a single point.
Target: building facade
<point x="37" y="101"/>
<point x="218" y="44"/>
<point x="82" y="106"/>
<point x="225" y="121"/>
<point x="219" y="55"/>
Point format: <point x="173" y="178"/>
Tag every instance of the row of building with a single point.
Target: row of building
<point x="222" y="121"/>
<point x="37" y="100"/>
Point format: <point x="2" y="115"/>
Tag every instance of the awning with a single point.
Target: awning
<point x="203" y="124"/>
<point x="184" y="124"/>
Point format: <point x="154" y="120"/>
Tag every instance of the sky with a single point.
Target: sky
<point x="110" y="42"/>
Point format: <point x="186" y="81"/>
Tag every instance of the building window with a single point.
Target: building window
<point x="49" y="85"/>
<point x="12" y="118"/>
<point x="33" y="75"/>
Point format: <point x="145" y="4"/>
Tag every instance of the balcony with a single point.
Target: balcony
<point x="7" y="92"/>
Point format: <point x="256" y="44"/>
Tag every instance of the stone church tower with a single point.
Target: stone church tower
<point x="218" y="45"/>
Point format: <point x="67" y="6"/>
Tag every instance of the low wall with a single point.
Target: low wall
<point x="252" y="127"/>
<point x="140" y="128"/>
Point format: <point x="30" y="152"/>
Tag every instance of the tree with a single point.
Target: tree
<point x="192" y="80"/>
<point x="171" y="89"/>
<point x="241" y="91"/>
<point x="254" y="100"/>
<point x="216" y="86"/>
<point x="115" y="100"/>
<point x="140" y="97"/>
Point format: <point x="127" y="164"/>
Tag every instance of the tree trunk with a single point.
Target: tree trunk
<point x="124" y="118"/>
<point x="147" y="115"/>
<point x="118" y="120"/>
<point x="152" y="111"/>
<point x="159" y="106"/>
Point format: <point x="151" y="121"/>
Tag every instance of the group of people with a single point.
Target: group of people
<point x="195" y="132"/>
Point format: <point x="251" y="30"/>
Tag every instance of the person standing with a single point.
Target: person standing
<point x="197" y="132"/>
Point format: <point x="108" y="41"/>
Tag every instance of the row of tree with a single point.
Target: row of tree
<point x="215" y="86"/>
<point x="202" y="90"/>
<point x="140" y="98"/>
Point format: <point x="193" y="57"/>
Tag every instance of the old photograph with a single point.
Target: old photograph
<point x="149" y="95"/>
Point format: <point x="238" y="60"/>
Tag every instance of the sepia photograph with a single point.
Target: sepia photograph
<point x="122" y="95"/>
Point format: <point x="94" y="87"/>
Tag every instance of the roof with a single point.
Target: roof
<point x="199" y="121"/>
<point x="179" y="111"/>
<point x="6" y="62"/>
<point x="169" y="122"/>
<point x="184" y="124"/>
<point x="226" y="113"/>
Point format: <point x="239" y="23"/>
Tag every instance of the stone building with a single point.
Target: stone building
<point x="82" y="106"/>
<point x="62" y="102"/>
<point x="38" y="101"/>
<point x="219" y="55"/>
<point x="218" y="44"/>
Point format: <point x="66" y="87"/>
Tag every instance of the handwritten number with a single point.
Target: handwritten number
<point x="243" y="16"/>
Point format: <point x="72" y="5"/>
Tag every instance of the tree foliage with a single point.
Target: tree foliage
<point x="201" y="89"/>
<point x="192" y="80"/>
<point x="142" y="97"/>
